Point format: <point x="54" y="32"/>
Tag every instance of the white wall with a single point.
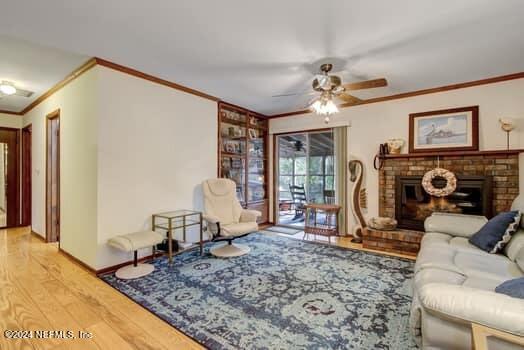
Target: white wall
<point x="373" y="124"/>
<point x="11" y="121"/>
<point x="129" y="148"/>
<point x="156" y="145"/>
<point x="78" y="160"/>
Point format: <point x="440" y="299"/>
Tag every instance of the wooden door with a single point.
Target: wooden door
<point x="53" y="178"/>
<point x="9" y="177"/>
<point x="26" y="175"/>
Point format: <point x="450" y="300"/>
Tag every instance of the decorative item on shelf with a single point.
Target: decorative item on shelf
<point x="454" y="129"/>
<point x="448" y="176"/>
<point x="255" y="150"/>
<point x="508" y="125"/>
<point x="252" y="133"/>
<point x="382" y="223"/>
<point x="237" y="163"/>
<point x="395" y="145"/>
<point x="229" y="147"/>
<point x="359" y="199"/>
<point x="378" y="161"/>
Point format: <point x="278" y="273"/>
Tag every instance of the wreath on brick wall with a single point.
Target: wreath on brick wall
<point x="451" y="182"/>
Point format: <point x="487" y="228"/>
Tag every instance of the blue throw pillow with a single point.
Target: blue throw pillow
<point x="514" y="288"/>
<point x="494" y="235"/>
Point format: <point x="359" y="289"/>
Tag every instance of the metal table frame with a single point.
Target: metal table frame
<point x="177" y="219"/>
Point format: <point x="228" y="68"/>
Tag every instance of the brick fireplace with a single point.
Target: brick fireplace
<point x="494" y="175"/>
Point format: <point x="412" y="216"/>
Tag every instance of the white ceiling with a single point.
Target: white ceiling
<point x="32" y="67"/>
<point x="245" y="51"/>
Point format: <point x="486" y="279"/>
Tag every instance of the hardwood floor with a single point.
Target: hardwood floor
<point x="42" y="289"/>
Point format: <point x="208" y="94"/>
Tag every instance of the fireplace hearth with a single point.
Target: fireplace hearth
<point x="413" y="205"/>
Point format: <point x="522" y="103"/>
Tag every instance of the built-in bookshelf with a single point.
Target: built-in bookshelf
<point x="243" y="155"/>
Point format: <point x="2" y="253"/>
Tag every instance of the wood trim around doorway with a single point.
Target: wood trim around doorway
<point x="27" y="175"/>
<point x="275" y="169"/>
<point x="15" y="203"/>
<point x="53" y="115"/>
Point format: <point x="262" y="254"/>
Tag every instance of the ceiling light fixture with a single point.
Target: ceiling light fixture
<point x="325" y="106"/>
<point x="7" y="88"/>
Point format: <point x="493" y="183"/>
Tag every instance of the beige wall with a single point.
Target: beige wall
<point x="156" y="145"/>
<point x="78" y="160"/>
<point x="11" y="121"/>
<point x="375" y="123"/>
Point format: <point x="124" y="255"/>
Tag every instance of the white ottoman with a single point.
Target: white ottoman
<point x="131" y="243"/>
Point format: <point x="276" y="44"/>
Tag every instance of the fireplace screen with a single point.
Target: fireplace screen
<point x="413" y="205"/>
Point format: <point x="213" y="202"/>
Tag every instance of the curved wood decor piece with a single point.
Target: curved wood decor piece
<point x="359" y="199"/>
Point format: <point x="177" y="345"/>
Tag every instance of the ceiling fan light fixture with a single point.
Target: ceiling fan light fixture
<point x="7" y="88"/>
<point x="324" y="106"/>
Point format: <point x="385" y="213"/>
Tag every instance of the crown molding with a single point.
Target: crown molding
<point x="72" y="76"/>
<point x="153" y="79"/>
<point x="105" y="63"/>
<point x="10" y="112"/>
<point x="434" y="90"/>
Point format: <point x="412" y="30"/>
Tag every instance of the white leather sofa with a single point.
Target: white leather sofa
<point x="454" y="284"/>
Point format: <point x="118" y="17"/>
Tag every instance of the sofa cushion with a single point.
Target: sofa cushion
<point x="462" y="244"/>
<point x="494" y="235"/>
<point x="515" y="247"/>
<point x="493" y="266"/>
<point x="513" y="288"/>
<point x="446" y="259"/>
<point x="462" y="303"/>
<point x="454" y="224"/>
<point x="520" y="263"/>
<point x="436" y="275"/>
<point x="435" y="237"/>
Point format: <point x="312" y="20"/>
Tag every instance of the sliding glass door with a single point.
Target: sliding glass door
<point x="305" y="173"/>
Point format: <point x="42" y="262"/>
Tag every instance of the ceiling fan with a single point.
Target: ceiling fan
<point x="8" y="89"/>
<point x="299" y="146"/>
<point x="331" y="87"/>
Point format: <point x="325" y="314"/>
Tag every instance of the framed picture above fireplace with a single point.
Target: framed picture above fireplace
<point x="454" y="129"/>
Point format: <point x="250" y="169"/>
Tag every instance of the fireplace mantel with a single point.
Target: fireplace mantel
<point x="454" y="153"/>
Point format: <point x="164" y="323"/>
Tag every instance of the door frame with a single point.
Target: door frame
<point x="16" y="201"/>
<point x="275" y="171"/>
<point x="53" y="115"/>
<point x="27" y="175"/>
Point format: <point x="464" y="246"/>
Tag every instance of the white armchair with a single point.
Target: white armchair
<point x="225" y="217"/>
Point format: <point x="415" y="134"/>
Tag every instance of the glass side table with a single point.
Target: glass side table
<point x="178" y="219"/>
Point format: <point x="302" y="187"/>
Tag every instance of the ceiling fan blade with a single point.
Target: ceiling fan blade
<point x="368" y="84"/>
<point x="349" y="98"/>
<point x="296" y="94"/>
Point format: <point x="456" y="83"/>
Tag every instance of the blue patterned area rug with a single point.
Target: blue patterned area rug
<point x="285" y="294"/>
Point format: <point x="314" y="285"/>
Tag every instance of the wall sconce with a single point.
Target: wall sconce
<point x="507" y="125"/>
